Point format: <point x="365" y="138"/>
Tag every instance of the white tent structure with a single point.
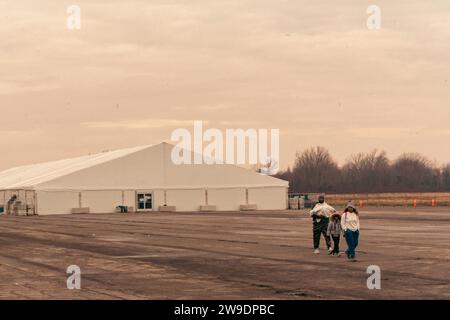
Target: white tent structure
<point x="142" y="179"/>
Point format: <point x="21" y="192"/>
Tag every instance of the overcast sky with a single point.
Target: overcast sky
<point x="138" y="69"/>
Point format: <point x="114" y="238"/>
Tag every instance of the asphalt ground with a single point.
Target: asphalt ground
<point x="222" y="255"/>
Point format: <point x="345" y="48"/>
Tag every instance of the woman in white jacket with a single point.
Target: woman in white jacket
<point x="350" y="227"/>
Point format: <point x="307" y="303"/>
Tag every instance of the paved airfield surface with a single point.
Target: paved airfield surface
<point x="259" y="255"/>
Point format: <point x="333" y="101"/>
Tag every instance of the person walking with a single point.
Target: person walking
<point x="320" y="215"/>
<point x="350" y="226"/>
<point x="334" y="230"/>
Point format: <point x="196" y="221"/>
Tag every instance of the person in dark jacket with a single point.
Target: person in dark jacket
<point x="320" y="215"/>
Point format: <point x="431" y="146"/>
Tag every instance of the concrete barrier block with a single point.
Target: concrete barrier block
<point x="248" y="207"/>
<point x="167" y="208"/>
<point x="80" y="210"/>
<point x="208" y="208"/>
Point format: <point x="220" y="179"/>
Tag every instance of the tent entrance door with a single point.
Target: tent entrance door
<point x="144" y="201"/>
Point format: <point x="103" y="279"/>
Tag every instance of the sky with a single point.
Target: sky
<point x="136" y="70"/>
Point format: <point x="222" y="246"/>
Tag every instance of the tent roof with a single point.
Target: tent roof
<point x="138" y="167"/>
<point x="30" y="175"/>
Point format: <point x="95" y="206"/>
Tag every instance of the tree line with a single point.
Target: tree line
<point x="315" y="170"/>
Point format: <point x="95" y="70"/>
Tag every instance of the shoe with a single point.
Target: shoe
<point x="316" y="251"/>
<point x="330" y="252"/>
<point x="339" y="255"/>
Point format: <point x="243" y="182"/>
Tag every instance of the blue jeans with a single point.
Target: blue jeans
<point x="352" y="238"/>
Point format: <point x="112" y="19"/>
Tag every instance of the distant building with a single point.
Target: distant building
<point x="141" y="179"/>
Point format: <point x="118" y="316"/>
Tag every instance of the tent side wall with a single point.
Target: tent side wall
<point x="106" y="201"/>
<point x="98" y="201"/>
<point x="227" y="199"/>
<point x="101" y="201"/>
<point x="186" y="200"/>
<point x="268" y="198"/>
<point x="56" y="202"/>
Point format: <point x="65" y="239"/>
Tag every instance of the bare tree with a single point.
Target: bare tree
<point x="445" y="178"/>
<point x="366" y="172"/>
<point x="412" y="172"/>
<point x="315" y="171"/>
<point x="285" y="175"/>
